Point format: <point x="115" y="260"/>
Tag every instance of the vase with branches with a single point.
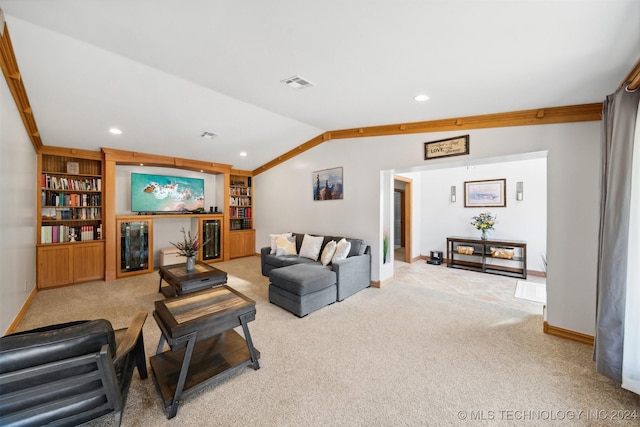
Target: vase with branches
<point x="189" y="247"/>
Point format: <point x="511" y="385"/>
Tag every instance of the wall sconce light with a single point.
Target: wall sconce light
<point x="519" y="192"/>
<point x="453" y="194"/>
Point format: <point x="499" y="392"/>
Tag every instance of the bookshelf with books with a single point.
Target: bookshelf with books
<point x="241" y="232"/>
<point x="70" y="248"/>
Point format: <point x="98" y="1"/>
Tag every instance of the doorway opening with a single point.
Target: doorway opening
<point x="402" y="201"/>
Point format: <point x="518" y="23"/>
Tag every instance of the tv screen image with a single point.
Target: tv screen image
<point x="162" y="193"/>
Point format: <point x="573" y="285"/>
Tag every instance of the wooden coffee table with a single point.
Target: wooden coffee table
<point x="203" y="345"/>
<point x="182" y="281"/>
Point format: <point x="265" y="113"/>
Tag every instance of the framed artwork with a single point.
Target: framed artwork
<point x="73" y="167"/>
<point x="485" y="194"/>
<point x="457" y="146"/>
<point x="327" y="184"/>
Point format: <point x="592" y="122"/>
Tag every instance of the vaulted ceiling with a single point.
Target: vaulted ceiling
<point x="166" y="71"/>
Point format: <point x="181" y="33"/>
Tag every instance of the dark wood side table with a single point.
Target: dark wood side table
<point x="182" y="281"/>
<point x="203" y="345"/>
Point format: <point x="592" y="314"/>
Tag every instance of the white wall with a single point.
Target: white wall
<point x="18" y="179"/>
<point x="519" y="220"/>
<point x="167" y="230"/>
<point x="283" y="199"/>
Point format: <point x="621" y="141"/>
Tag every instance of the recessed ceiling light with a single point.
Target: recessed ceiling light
<point x="243" y="153"/>
<point x="115" y="131"/>
<point x="421" y="97"/>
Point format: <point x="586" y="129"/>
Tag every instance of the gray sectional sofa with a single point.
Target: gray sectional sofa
<point x="302" y="285"/>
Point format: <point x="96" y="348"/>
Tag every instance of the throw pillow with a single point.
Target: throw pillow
<point x="274" y="237"/>
<point x="327" y="252"/>
<point x="342" y="250"/>
<point x="311" y="247"/>
<point x="285" y="245"/>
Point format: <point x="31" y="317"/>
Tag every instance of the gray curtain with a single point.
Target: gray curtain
<point x="618" y="126"/>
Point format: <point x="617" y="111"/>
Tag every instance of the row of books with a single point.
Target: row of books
<point x="65" y="183"/>
<point x="239" y="201"/>
<point x="241" y="224"/>
<point x="52" y="198"/>
<point x="240" y="191"/>
<point x="240" y="212"/>
<point x="71" y="213"/>
<point x="64" y="233"/>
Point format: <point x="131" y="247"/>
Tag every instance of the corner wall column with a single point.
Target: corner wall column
<point x="109" y="220"/>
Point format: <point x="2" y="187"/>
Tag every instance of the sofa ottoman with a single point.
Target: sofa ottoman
<point x="302" y="288"/>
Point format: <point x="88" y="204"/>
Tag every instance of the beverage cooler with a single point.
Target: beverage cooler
<point x="211" y="237"/>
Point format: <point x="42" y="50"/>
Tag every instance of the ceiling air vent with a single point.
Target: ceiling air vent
<point x="297" y="82"/>
<point x="208" y="135"/>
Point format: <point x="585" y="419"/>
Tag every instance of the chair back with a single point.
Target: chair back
<point x="59" y="375"/>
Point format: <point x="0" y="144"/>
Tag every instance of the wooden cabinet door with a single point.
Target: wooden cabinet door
<point x="54" y="265"/>
<point x="88" y="261"/>
<point x="242" y="243"/>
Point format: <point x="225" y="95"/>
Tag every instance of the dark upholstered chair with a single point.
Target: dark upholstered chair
<point x="70" y="373"/>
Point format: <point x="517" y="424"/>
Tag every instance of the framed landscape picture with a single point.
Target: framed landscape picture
<point x="485" y="194"/>
<point x="327" y="184"/>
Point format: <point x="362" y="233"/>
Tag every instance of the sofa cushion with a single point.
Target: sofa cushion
<point x="311" y="247"/>
<point x="302" y="279"/>
<point x="283" y="261"/>
<point x="342" y="250"/>
<point x="285" y="246"/>
<point x="358" y="246"/>
<point x="274" y="237"/>
<point x="327" y="252"/>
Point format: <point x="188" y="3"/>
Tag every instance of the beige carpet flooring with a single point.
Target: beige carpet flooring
<point x="431" y="348"/>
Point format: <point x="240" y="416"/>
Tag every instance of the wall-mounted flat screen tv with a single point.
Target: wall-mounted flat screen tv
<point x="168" y="194"/>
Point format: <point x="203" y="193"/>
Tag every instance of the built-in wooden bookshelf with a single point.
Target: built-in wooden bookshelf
<point x="70" y="226"/>
<point x="76" y="197"/>
<point x="241" y="232"/>
<point x="240" y="206"/>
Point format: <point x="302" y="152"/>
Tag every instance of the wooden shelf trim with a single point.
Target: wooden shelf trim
<point x="147" y="217"/>
<point x="122" y="157"/>
<point x="70" y="152"/>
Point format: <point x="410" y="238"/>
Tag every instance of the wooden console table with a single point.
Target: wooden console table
<point x="203" y="345"/>
<point x="504" y="257"/>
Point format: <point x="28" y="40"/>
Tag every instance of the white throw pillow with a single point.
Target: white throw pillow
<point x="342" y="250"/>
<point x="311" y="247"/>
<point x="327" y="252"/>
<point x="285" y="246"/>
<point x="273" y="240"/>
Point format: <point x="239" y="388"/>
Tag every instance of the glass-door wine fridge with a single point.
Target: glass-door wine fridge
<point x="133" y="245"/>
<point x="211" y="239"/>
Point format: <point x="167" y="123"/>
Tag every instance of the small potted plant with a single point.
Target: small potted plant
<point x="189" y="248"/>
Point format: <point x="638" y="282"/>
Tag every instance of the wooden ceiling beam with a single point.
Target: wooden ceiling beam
<point x="12" y="75"/>
<point x="633" y="78"/>
<point x="540" y="116"/>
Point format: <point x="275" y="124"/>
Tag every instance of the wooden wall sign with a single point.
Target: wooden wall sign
<point x="446" y="147"/>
